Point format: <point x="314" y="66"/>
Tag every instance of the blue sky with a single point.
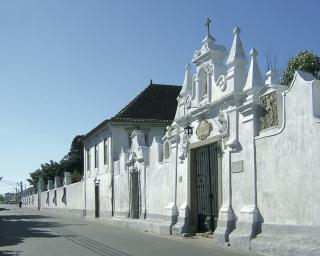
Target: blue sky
<point x="65" y="66"/>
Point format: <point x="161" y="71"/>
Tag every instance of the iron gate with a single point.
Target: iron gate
<point x="135" y="194"/>
<point x="97" y="201"/>
<point x="206" y="166"/>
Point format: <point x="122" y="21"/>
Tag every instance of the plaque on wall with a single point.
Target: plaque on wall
<point x="269" y="117"/>
<point x="237" y="166"/>
<point x="203" y="130"/>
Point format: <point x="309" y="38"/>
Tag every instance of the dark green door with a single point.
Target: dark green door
<point x="97" y="201"/>
<point x="206" y="166"/>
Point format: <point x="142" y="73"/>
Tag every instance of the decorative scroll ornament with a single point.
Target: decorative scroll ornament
<point x="185" y="147"/>
<point x="204" y="129"/>
<point x="222" y="83"/>
<point x="130" y="157"/>
<point x="209" y="69"/>
<point x="223" y="123"/>
<point x="188" y="102"/>
<point x="134" y="169"/>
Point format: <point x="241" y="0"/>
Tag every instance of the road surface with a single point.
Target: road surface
<point x="27" y="232"/>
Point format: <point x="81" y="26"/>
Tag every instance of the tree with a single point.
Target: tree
<point x="74" y="159"/>
<point x="76" y="176"/>
<point x="72" y="162"/>
<point x="304" y="61"/>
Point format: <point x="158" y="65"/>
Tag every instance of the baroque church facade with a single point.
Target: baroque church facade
<point x="228" y="153"/>
<point x="231" y="162"/>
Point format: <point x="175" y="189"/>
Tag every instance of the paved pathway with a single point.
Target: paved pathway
<point x="26" y="232"/>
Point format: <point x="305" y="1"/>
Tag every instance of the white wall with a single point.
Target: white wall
<point x="288" y="163"/>
<point x="74" y="200"/>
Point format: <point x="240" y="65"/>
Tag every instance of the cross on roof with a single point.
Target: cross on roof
<point x="208" y="25"/>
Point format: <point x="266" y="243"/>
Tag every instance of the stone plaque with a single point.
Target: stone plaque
<point x="237" y="166"/>
<point x="203" y="130"/>
<point x="269" y="116"/>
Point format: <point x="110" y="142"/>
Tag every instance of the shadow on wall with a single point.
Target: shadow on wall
<point x="15" y="228"/>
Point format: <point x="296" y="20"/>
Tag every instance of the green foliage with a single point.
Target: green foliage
<point x="72" y="162"/>
<point x="304" y="61"/>
<point x="76" y="176"/>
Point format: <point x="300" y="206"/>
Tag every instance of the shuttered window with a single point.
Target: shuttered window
<point x="96" y="156"/>
<point x="88" y="159"/>
<point x="106" y="152"/>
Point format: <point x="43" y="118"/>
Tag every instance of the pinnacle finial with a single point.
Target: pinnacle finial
<point x="236" y="31"/>
<point x="253" y="53"/>
<point x="237" y="55"/>
<point x="187" y="82"/>
<point x="254" y="79"/>
<point x="271" y="77"/>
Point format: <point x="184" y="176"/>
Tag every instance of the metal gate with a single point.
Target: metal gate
<point x="206" y="167"/>
<point x="135" y="194"/>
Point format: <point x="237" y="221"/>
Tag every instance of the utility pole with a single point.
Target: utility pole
<point x="21" y="191"/>
<point x="16" y="194"/>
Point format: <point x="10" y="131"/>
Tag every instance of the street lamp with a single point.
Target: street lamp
<point x="188" y="130"/>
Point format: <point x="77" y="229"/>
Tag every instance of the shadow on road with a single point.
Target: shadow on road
<point x="15" y="228"/>
<point x="9" y="253"/>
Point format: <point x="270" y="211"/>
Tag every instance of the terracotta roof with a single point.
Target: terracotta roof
<point x="155" y="104"/>
<point x="158" y="102"/>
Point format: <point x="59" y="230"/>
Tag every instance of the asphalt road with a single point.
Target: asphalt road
<point x="26" y="232"/>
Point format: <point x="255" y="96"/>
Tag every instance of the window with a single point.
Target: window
<point x="96" y="156"/>
<point x="129" y="139"/>
<point x="203" y="87"/>
<point x="88" y="159"/>
<point x="166" y="150"/>
<point x="106" y="152"/>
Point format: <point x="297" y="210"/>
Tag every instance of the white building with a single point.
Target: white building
<point x="109" y="191"/>
<point x="240" y="158"/>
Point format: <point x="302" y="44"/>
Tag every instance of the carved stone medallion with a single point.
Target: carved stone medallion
<point x="222" y="83"/>
<point x="269" y="117"/>
<point x="204" y="129"/>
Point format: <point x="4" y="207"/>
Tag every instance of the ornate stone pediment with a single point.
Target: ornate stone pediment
<point x="139" y="150"/>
